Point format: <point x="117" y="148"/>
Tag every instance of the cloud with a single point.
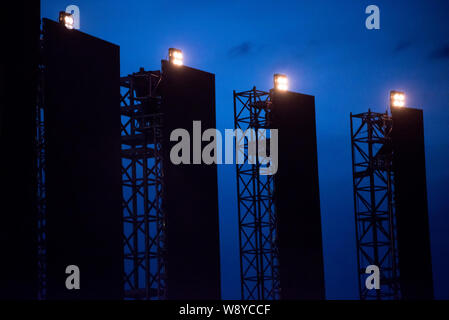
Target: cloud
<point x="403" y="45"/>
<point x="240" y="50"/>
<point x="440" y="53"/>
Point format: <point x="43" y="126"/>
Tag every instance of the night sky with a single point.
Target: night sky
<point x="327" y="52"/>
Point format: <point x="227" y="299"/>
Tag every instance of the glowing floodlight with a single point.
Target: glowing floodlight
<point x="66" y="19"/>
<point x="175" y="56"/>
<point x="280" y="82"/>
<point x="397" y="99"/>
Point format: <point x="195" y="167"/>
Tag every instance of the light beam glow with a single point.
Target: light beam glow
<point x="397" y="99"/>
<point x="175" y="56"/>
<point x="66" y="19"/>
<point x="280" y="82"/>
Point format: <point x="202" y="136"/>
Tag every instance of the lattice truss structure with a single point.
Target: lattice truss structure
<point x="144" y="224"/>
<point x="373" y="185"/>
<point x="259" y="267"/>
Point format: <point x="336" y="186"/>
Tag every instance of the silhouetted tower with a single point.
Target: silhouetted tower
<point x="279" y="210"/>
<point x="390" y="201"/>
<point x="373" y="202"/>
<point x="18" y="180"/>
<point x="257" y="220"/>
<point x="142" y="180"/>
<point x="83" y="216"/>
<point x="171" y="237"/>
<point x="410" y="193"/>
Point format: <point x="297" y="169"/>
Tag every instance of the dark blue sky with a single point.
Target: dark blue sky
<point x="327" y="52"/>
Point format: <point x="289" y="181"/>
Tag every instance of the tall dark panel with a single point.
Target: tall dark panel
<point x="297" y="197"/>
<point x="82" y="117"/>
<point x="191" y="190"/>
<point x="415" y="261"/>
<point x="18" y="214"/>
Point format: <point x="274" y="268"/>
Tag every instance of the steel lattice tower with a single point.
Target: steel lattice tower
<point x="259" y="269"/>
<point x="142" y="181"/>
<point x="374" y="202"/>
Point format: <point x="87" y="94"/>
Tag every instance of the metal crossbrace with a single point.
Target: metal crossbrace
<point x="144" y="223"/>
<point x="373" y="184"/>
<point x="259" y="265"/>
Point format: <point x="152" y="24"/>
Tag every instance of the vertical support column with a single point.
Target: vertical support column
<point x="259" y="269"/>
<point x="412" y="216"/>
<point x="18" y="181"/>
<point x="372" y="155"/>
<point x="142" y="181"/>
<point x="41" y="187"/>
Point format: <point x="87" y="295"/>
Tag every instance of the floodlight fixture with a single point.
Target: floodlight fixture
<point x="280" y="82"/>
<point x="397" y="99"/>
<point x="66" y="19"/>
<point x="175" y="56"/>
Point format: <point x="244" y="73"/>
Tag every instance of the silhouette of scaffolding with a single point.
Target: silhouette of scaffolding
<point x="144" y="226"/>
<point x="374" y="203"/>
<point x="259" y="267"/>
